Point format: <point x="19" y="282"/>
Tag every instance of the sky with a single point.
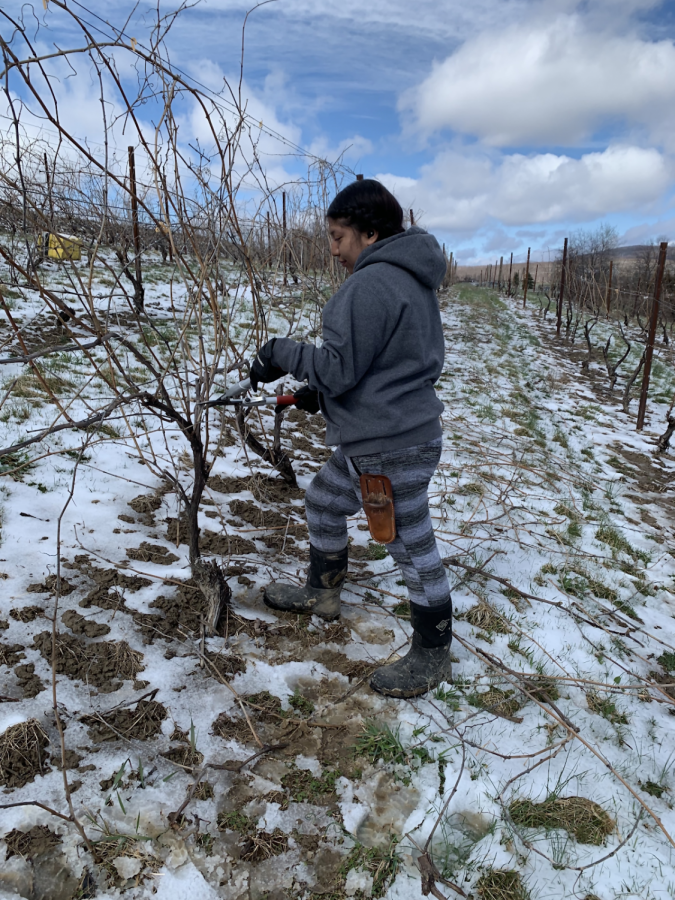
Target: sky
<point x="504" y="124"/>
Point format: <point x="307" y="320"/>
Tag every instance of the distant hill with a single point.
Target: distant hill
<point x="634" y="250"/>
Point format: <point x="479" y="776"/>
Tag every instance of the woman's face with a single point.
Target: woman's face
<point x="346" y="243"/>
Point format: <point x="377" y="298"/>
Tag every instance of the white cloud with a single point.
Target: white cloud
<point x="463" y="190"/>
<point x="552" y="83"/>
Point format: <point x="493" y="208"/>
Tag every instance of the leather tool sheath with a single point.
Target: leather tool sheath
<point x="378" y="505"/>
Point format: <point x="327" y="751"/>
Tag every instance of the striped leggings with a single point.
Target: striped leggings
<point x="335" y="494"/>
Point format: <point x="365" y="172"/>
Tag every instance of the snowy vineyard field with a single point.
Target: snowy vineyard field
<point x="257" y="763"/>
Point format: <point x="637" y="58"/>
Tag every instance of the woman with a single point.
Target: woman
<point x="373" y="379"/>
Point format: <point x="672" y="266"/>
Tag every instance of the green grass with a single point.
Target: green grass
<point x="377" y="551"/>
<point x="667" y="660"/>
<point x="304" y="787"/>
<point x="608" y="534"/>
<point x="606" y="707"/>
<point x="449" y="697"/>
<point x="378" y="741"/>
<point x="301" y="704"/>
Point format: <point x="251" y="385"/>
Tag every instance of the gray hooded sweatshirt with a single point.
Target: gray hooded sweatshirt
<point x="382" y="349"/>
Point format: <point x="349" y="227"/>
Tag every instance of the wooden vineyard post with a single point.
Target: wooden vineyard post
<point x="412" y="218"/>
<point x="499" y="277"/>
<point x="609" y="287"/>
<point x="138" y="287"/>
<point x="359" y="177"/>
<point x="527" y="277"/>
<point x="269" y="240"/>
<point x="510" y="271"/>
<point x="494" y="275"/>
<point x="283" y="236"/>
<point x="49" y="192"/>
<point x="536" y="272"/>
<point x="562" y="290"/>
<point x="649" y="351"/>
<point x="168" y="218"/>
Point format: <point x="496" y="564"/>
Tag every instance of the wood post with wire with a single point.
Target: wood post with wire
<point x="412" y="218"/>
<point x="562" y="290"/>
<point x="653" y="321"/>
<point x="283" y="236"/>
<point x="138" y="285"/>
<point x="608" y="298"/>
<point x="49" y="192"/>
<point x="527" y="277"/>
<point x="359" y="177"/>
<point x="510" y="271"/>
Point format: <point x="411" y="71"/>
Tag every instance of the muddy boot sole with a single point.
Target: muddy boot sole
<point x="321" y="602"/>
<point x="421" y="670"/>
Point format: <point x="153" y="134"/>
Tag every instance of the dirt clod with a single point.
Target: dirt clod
<point x="80" y="625"/>
<point x="26" y="613"/>
<point x="22" y="753"/>
<point x="10" y="654"/>
<point x="185" y="757"/>
<point x="154" y="553"/>
<point x="30" y="683"/>
<point x="145" y="503"/>
<point x="232" y="729"/>
<point x="49" y="587"/>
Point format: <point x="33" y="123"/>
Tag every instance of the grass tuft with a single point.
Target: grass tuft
<point x="606" y="707"/>
<point x="586" y="820"/>
<point x="501" y="884"/>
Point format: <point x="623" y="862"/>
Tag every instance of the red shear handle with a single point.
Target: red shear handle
<point x="285" y="400"/>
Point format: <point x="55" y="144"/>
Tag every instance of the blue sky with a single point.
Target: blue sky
<point x="503" y="123"/>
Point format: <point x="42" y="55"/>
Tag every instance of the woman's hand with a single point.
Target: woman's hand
<point x="263" y="370"/>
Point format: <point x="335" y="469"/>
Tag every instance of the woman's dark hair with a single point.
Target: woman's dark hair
<point x="368" y="206"/>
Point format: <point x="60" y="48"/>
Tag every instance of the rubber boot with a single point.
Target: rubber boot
<point x="321" y="594"/>
<point x="427" y="663"/>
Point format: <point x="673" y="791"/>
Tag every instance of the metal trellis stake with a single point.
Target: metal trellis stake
<point x="649" y="351"/>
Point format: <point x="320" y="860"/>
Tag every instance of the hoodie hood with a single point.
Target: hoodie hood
<point x="415" y="250"/>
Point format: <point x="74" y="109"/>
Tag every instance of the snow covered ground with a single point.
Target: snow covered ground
<point x="549" y="760"/>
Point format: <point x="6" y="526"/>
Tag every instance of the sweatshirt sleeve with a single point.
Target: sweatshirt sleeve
<point x="356" y="328"/>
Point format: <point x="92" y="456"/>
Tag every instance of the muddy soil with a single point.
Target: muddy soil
<point x="23" y="753"/>
<point x="110" y="584"/>
<point x="142" y="723"/>
<point x="104" y="665"/>
<point x="209" y="541"/>
<point x="251" y="513"/>
<point x="29" y="844"/>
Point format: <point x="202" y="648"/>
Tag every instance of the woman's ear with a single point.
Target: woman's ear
<point x="371" y="237"/>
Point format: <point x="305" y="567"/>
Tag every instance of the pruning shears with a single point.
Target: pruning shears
<point x="234" y="397"/>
